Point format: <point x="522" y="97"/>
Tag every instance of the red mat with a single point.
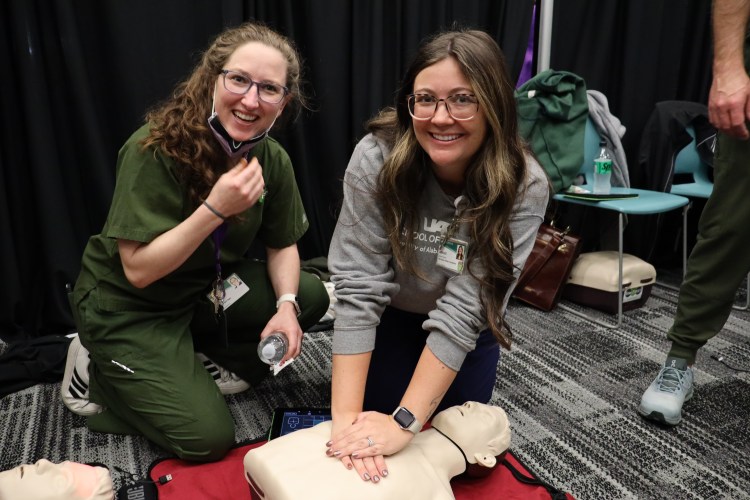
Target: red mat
<point x="226" y="479"/>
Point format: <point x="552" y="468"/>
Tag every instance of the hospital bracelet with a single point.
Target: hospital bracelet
<point x="216" y="212"/>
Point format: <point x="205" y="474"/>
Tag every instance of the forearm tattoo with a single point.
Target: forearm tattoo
<point x="433" y="405"/>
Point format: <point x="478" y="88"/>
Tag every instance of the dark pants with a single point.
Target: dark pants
<point x="399" y="343"/>
<point x="166" y="394"/>
<point x="720" y="259"/>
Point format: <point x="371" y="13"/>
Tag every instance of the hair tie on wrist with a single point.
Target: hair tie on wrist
<point x="216" y="212"/>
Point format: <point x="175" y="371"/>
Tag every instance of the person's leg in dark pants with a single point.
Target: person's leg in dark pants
<point x="247" y="317"/>
<point x="718" y="263"/>
<point x="399" y="343"/>
<point x="145" y="374"/>
<point x="720" y="259"/>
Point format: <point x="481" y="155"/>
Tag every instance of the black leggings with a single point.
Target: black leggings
<point x="399" y="343"/>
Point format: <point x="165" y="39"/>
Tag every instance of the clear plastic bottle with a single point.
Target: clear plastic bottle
<point x="603" y="169"/>
<point x="272" y="348"/>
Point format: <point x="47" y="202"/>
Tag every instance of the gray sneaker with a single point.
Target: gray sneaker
<point x="663" y="399"/>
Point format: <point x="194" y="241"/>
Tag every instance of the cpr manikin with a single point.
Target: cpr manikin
<point x="64" y="481"/>
<point x="295" y="466"/>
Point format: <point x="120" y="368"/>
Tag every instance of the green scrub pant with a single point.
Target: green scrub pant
<point x="144" y="370"/>
<point x="721" y="257"/>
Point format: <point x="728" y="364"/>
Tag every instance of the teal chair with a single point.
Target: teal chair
<point x="688" y="164"/>
<point x="647" y="203"/>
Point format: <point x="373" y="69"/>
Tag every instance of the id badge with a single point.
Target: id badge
<point x="452" y="254"/>
<point x="234" y="288"/>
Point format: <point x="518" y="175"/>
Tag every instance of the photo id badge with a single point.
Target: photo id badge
<point x="234" y="288"/>
<point x="451" y="255"/>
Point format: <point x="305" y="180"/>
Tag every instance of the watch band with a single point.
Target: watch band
<point x="289" y="297"/>
<point x="406" y="420"/>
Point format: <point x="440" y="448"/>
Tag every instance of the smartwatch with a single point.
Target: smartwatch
<point x="289" y="297"/>
<point x="406" y="420"/>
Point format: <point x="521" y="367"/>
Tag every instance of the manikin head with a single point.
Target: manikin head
<point x="481" y="431"/>
<point x="64" y="481"/>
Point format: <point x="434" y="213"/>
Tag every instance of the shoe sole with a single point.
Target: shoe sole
<point x="659" y="417"/>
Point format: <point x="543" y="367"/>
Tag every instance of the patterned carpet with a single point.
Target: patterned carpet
<point x="570" y="388"/>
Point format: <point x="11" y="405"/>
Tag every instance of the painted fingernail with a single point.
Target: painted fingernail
<point x="384" y="472"/>
<point x="366" y="476"/>
<point x="328" y="444"/>
<point x="375" y="479"/>
<point x="337" y="453"/>
<point x="355" y="455"/>
<point x="349" y="466"/>
<point x="329" y="452"/>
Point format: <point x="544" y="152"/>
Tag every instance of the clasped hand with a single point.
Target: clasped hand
<point x="238" y="189"/>
<point x="363" y="444"/>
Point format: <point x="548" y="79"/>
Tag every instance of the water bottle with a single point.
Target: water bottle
<point x="272" y="348"/>
<point x="602" y="169"/>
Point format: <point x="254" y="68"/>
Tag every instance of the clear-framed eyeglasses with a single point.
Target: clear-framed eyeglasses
<point x="460" y="106"/>
<point x="239" y="83"/>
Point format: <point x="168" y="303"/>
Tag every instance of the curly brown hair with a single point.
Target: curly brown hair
<point x="493" y="179"/>
<point x="179" y="125"/>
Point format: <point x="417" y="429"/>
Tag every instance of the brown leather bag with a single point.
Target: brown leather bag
<point x="548" y="267"/>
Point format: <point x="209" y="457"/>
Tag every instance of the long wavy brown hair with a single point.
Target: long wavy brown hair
<point x="493" y="178"/>
<point x="179" y="125"/>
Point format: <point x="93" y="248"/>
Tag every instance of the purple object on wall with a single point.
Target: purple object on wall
<point x="528" y="61"/>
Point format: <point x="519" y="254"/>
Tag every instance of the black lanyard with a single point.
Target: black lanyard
<point x="218" y="236"/>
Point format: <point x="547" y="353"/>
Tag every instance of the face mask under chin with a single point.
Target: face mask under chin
<point x="231" y="147"/>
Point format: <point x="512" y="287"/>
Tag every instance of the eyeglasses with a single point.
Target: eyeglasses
<point x="460" y="106"/>
<point x="239" y="83"/>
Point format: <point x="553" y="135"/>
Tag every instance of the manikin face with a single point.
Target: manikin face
<point x="480" y="430"/>
<point x="449" y="143"/>
<point x="246" y="116"/>
<point x="47" y="481"/>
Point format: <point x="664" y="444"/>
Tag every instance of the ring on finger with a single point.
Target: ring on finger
<point x="370" y="442"/>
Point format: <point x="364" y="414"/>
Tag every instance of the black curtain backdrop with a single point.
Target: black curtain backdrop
<point x="637" y="53"/>
<point x="79" y="75"/>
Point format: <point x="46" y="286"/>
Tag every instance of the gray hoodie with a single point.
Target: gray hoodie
<point x="366" y="280"/>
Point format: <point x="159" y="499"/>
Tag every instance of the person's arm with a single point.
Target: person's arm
<point x="235" y="191"/>
<point x="145" y="263"/>
<point x="359" y="260"/>
<point x="284" y="271"/>
<point x="348" y="378"/>
<point x="428" y="385"/>
<point x="729" y="97"/>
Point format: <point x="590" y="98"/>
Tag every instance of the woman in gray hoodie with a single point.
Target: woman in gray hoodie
<point x="442" y="202"/>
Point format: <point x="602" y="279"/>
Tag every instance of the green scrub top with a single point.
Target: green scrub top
<point x="150" y="200"/>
